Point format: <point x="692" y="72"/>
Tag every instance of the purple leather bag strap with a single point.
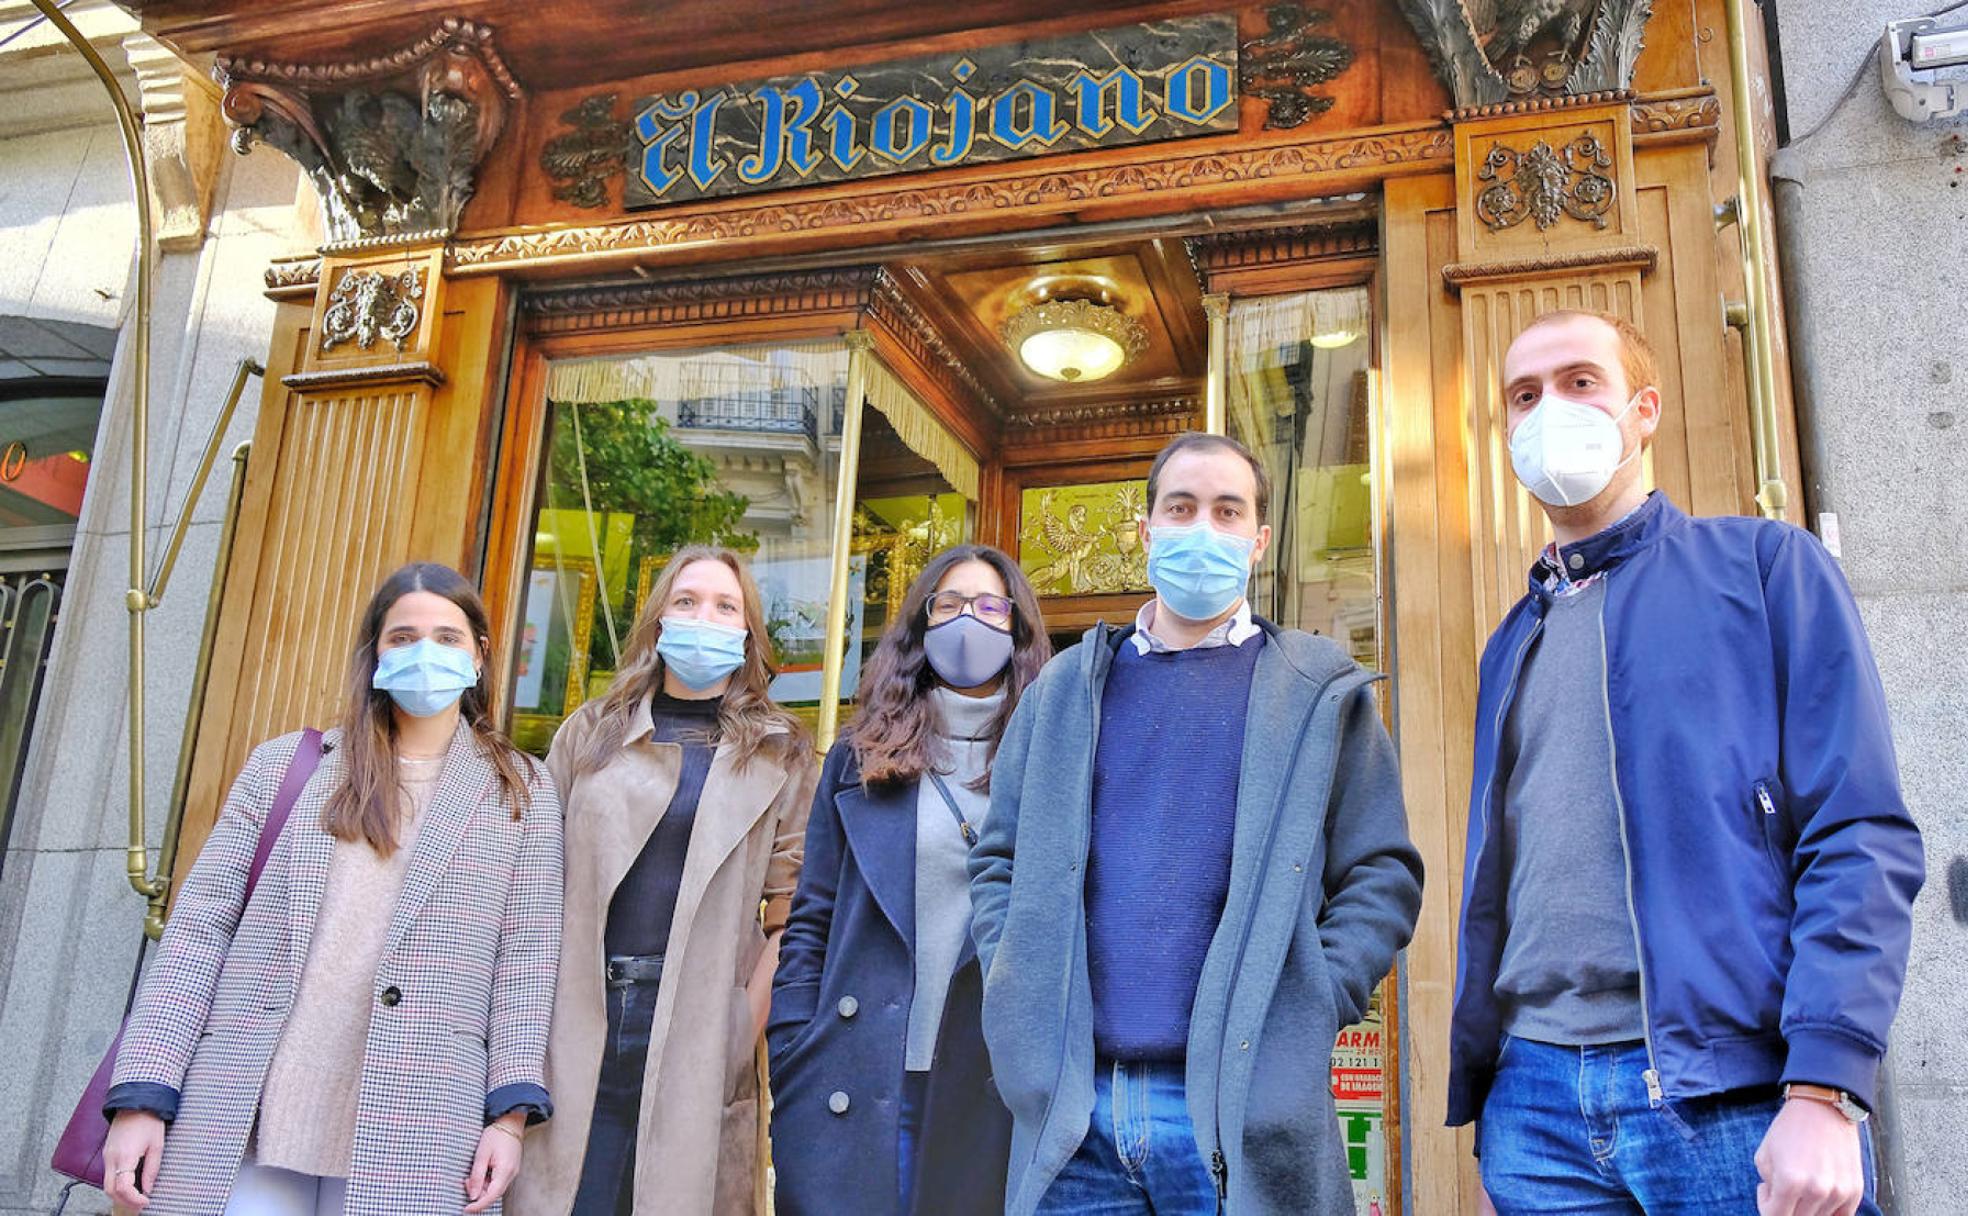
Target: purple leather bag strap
<point x="307" y="756"/>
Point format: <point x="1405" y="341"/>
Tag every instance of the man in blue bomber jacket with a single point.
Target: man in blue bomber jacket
<point x="1195" y="870"/>
<point x="1687" y="892"/>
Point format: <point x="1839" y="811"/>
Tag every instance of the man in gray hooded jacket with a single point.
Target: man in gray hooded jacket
<point x="1195" y="869"/>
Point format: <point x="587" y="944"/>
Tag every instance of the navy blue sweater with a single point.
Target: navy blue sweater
<point x="1164" y="816"/>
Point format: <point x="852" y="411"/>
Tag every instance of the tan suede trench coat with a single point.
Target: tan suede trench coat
<point x="698" y="1140"/>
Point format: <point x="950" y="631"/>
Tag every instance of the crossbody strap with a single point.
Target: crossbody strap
<point x="950" y="800"/>
<point x="307" y="757"/>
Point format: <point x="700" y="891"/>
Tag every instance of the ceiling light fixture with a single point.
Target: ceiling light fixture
<point x="1074" y="340"/>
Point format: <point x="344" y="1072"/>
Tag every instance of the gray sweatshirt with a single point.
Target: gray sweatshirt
<point x="942" y="882"/>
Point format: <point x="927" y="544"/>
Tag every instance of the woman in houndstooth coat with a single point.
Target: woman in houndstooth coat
<point x="368" y="1035"/>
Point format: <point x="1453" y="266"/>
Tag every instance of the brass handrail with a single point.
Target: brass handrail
<point x="167" y="854"/>
<point x="136" y="599"/>
<point x="1759" y="346"/>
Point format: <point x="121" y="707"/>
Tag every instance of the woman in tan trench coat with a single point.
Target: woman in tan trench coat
<point x="687" y="793"/>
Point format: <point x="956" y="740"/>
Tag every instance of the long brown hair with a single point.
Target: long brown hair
<point x="748" y="719"/>
<point x="365" y="805"/>
<point x="898" y="736"/>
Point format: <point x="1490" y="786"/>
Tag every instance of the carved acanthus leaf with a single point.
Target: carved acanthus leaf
<point x="390" y="143"/>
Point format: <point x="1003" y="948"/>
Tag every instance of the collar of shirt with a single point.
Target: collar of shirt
<point x="1558" y="584"/>
<point x="1240" y="628"/>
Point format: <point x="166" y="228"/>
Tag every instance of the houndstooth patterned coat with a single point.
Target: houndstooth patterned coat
<point x="464" y="990"/>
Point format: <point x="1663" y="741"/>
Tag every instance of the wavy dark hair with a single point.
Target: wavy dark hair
<point x="364" y="807"/>
<point x="897" y="734"/>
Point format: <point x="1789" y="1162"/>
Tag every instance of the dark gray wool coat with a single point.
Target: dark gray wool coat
<point x="1324" y="890"/>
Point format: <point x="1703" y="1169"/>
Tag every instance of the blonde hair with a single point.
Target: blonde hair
<point x="748" y="718"/>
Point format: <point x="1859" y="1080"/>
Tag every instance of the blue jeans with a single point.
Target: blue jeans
<point x="1570" y="1129"/>
<point x="1139" y="1157"/>
<point x="607" y="1186"/>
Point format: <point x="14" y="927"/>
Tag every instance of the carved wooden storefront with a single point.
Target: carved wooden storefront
<point x="531" y="222"/>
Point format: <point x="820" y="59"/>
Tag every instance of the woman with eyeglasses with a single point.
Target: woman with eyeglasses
<point x="687" y="791"/>
<point x="882" y="1095"/>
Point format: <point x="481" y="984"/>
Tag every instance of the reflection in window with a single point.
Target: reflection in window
<point x="737" y="446"/>
<point x="1298" y="398"/>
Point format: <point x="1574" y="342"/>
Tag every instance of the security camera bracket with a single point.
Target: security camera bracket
<point x="1909" y="53"/>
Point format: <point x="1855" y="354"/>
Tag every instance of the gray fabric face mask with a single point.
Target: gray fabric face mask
<point x="965" y="652"/>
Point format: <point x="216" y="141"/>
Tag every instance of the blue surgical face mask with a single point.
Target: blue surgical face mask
<point x="424" y="678"/>
<point x="965" y="652"/>
<point x="700" y="652"/>
<point x="1198" y="572"/>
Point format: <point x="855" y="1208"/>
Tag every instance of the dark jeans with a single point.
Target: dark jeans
<point x="608" y="1171"/>
<point x="1569" y="1129"/>
<point x="1139" y="1157"/>
<point x="908" y="1131"/>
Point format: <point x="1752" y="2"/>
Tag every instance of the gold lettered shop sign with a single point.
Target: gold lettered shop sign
<point x="1131" y="84"/>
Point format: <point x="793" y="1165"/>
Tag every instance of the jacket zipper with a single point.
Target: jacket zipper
<point x="1079" y="916"/>
<point x="1655" y="1094"/>
<point x="1219" y="1164"/>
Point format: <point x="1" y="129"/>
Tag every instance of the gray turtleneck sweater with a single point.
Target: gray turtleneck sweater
<point x="942" y="882"/>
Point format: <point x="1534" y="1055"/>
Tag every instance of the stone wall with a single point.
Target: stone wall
<point x="1873" y="218"/>
<point x="69" y="922"/>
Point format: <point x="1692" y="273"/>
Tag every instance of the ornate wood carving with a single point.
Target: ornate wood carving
<point x="1281" y="66"/>
<point x="1643" y="258"/>
<point x="749" y="297"/>
<point x="1035" y="190"/>
<point x="904" y="322"/>
<point x="584" y="160"/>
<point x="1495" y="51"/>
<point x="1687" y="113"/>
<point x="295" y="277"/>
<point x="390" y="142"/>
<point x="1216" y="252"/>
<point x="1543" y="185"/>
<point x="368" y="304"/>
<point x="1181" y="409"/>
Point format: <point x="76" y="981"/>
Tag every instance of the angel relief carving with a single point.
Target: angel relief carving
<point x="1083" y="540"/>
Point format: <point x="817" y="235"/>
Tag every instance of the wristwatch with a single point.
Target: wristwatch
<point x="1837" y="1099"/>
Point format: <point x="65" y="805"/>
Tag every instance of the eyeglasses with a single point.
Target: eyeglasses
<point x="993" y="610"/>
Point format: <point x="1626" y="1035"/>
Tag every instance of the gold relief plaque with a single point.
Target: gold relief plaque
<point x="1084" y="539"/>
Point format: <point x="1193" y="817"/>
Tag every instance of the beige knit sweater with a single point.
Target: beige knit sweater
<point x="307" y="1108"/>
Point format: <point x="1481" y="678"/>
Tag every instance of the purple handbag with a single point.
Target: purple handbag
<point x="78" y="1153"/>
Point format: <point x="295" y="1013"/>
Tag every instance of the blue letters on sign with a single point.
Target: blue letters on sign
<point x="703" y="135"/>
<point x="784" y="138"/>
<point x="1174" y="78"/>
<point x="1041" y="125"/>
<point x="1183" y="82"/>
<point x="1091" y="93"/>
<point x="883" y="139"/>
<point x="650" y="128"/>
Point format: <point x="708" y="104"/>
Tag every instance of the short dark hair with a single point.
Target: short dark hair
<point x="1638" y="361"/>
<point x="1203" y="441"/>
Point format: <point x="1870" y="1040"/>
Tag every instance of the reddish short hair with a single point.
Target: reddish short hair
<point x="1637" y="358"/>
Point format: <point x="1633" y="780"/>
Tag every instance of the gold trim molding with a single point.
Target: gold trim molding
<point x="1041" y="191"/>
<point x="364" y="376"/>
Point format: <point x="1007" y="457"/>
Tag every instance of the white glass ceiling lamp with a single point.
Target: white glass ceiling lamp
<point x="1074" y="340"/>
<point x="1339" y="318"/>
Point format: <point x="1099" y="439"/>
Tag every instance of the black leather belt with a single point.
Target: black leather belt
<point x="626" y="969"/>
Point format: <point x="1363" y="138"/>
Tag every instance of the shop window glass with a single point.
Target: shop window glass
<point x="736" y="446"/>
<point x="1299" y="399"/>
